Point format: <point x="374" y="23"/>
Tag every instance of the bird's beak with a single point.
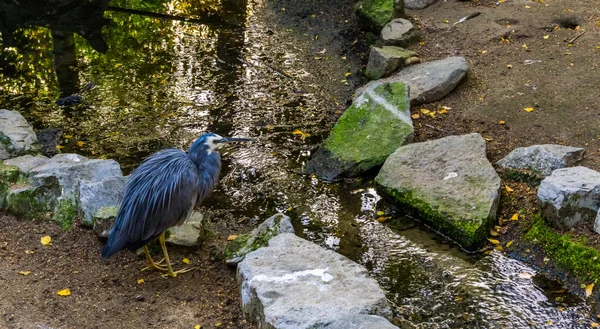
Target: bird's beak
<point x="233" y="139"/>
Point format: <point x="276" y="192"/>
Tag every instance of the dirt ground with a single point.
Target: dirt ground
<point x="106" y="293"/>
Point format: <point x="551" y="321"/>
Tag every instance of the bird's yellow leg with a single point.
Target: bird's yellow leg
<point x="151" y="263"/>
<point x="161" y="240"/>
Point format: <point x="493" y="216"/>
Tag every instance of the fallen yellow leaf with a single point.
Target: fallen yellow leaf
<point x="425" y="111"/>
<point x="499" y="247"/>
<point x="64" y="292"/>
<point x="524" y="46"/>
<point x="29" y="252"/>
<point x="232" y="237"/>
<point x="527" y="7"/>
<point x="415" y="116"/>
<point x="443" y="111"/>
<point x="595" y="325"/>
<point x="508" y="189"/>
<point x="494" y="233"/>
<point x="589" y="289"/>
<point x="25" y="272"/>
<point x="382" y="219"/>
<point x="501" y="122"/>
<point x="186" y="261"/>
<point x="348" y="74"/>
<point x="380" y="213"/>
<point x="198" y="326"/>
<point x="546" y="37"/>
<point x="509" y="66"/>
<point x="140" y="281"/>
<point x="422" y="43"/>
<point x="509" y="243"/>
<point x="68" y="136"/>
<point x="46" y="240"/>
<point x="80" y="143"/>
<point x="515" y="216"/>
<point x="493" y="241"/>
<point x="528" y="109"/>
<point x="302" y="134"/>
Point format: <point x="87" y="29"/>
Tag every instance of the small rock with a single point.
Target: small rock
<point x="237" y="249"/>
<point x="399" y="32"/>
<point x="140" y="298"/>
<point x="570" y="196"/>
<point x="542" y="159"/>
<point x="103" y="220"/>
<point x="27" y="162"/>
<point x="99" y="194"/>
<point x="374" y="14"/>
<point x="294" y="283"/>
<point x="189" y="233"/>
<point x="16" y="135"/>
<point x="418" y="4"/>
<point x="449" y="183"/>
<point x="376" y="124"/>
<point x="428" y="82"/>
<point x="384" y="61"/>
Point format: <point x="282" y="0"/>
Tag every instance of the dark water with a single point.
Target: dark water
<point x="162" y="82"/>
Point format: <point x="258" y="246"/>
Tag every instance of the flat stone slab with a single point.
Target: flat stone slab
<point x="418" y="4"/>
<point x="294" y="283"/>
<point x="448" y="183"/>
<point x="542" y="159"/>
<point x="369" y="131"/>
<point x="570" y="196"/>
<point x="428" y="82"/>
<point x="399" y="32"/>
<point x="16" y="135"/>
<point x="237" y="249"/>
<point x="27" y="162"/>
<point x="386" y="60"/>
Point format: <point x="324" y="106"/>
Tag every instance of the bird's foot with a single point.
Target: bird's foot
<point x="174" y="273"/>
<point x="156" y="266"/>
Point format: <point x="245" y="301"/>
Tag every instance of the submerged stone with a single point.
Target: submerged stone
<point x="448" y="183"/>
<point x="374" y="14"/>
<point x="384" y="61"/>
<point x="542" y="159"/>
<point x="16" y="135"/>
<point x="376" y="124"/>
<point x="237" y="249"/>
<point x="294" y="283"/>
<point x="570" y="196"/>
<point x="428" y="82"/>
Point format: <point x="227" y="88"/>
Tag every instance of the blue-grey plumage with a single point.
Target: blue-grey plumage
<point x="164" y="191"/>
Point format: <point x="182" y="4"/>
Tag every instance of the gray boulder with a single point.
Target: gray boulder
<point x="99" y="194"/>
<point x="542" y="159"/>
<point x="570" y="196"/>
<point x="449" y="183"/>
<point x="33" y="202"/>
<point x="237" y="249"/>
<point x="16" y="135"/>
<point x="399" y="32"/>
<point x="418" y="4"/>
<point x="294" y="283"/>
<point x="376" y="124"/>
<point x="27" y="162"/>
<point x="187" y="234"/>
<point x="384" y="61"/>
<point x="428" y="82"/>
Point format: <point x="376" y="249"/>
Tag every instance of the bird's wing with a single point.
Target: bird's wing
<point x="161" y="191"/>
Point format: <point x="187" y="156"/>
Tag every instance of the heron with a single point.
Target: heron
<point x="163" y="192"/>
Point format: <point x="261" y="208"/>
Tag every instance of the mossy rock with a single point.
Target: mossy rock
<point x="33" y="202"/>
<point x="8" y="176"/>
<point x="377" y="123"/>
<point x="103" y="220"/>
<point x="65" y="212"/>
<point x="374" y="14"/>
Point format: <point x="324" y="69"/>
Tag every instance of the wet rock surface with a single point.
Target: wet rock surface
<point x="294" y="283"/>
<point x="371" y="129"/>
<point x="429" y="81"/>
<point x="447" y="182"/>
<point x="542" y="159"/>
<point x="570" y="196"/>
<point x="399" y="32"/>
<point x="16" y="135"/>
<point x="386" y="60"/>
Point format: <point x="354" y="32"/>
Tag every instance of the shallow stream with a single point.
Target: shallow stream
<point x="163" y="82"/>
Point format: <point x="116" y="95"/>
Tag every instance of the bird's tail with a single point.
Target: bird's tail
<point x="114" y="244"/>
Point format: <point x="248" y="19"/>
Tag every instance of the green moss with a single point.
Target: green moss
<point x="9" y="175"/>
<point x="247" y="243"/>
<point x="367" y="134"/>
<point x="470" y="233"/>
<point x="374" y="14"/>
<point x="29" y="202"/>
<point x="569" y="253"/>
<point x="64" y="213"/>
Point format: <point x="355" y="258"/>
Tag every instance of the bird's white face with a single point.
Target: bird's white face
<point x="213" y="143"/>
